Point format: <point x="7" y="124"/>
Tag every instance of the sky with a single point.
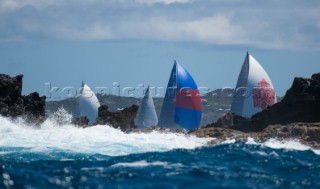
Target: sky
<point x="124" y="44"/>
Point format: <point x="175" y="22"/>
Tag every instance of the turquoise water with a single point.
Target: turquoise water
<point x="63" y="156"/>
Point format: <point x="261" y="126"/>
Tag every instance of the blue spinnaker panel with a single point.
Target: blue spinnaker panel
<point x="188" y="107"/>
<point x="184" y="78"/>
<point x="182" y="103"/>
<point x="167" y="113"/>
<point x="187" y="118"/>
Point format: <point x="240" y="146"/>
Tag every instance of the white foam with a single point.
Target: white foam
<point x="144" y="163"/>
<point x="251" y="141"/>
<point x="292" y="144"/>
<point x="105" y="140"/>
<point x="316" y="152"/>
<point x="230" y="141"/>
<point x="99" y="139"/>
<point x="286" y="144"/>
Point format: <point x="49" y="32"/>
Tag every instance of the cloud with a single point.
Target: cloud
<point x="9" y="5"/>
<point x="215" y="29"/>
<point x="167" y="2"/>
<point x="264" y="24"/>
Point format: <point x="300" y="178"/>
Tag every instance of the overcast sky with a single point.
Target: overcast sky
<point x="136" y="41"/>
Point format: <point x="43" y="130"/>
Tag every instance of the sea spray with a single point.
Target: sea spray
<point x="56" y="155"/>
<point x="57" y="133"/>
<point x="100" y="139"/>
<point x="61" y="117"/>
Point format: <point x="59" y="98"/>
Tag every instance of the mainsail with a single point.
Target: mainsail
<point x="254" y="91"/>
<point x="88" y="103"/>
<point x="182" y="103"/>
<point x="146" y="115"/>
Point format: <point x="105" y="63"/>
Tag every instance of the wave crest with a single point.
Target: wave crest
<point x="58" y="134"/>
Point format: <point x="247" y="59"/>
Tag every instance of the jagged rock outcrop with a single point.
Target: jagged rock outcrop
<point x="13" y="104"/>
<point x="123" y="119"/>
<point x="306" y="133"/>
<point x="300" y="104"/>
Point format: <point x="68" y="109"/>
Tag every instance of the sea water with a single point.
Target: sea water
<point x="60" y="155"/>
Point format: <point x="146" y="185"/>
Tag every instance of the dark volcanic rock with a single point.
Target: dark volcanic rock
<point x="13" y="104"/>
<point x="103" y="115"/>
<point x="229" y="121"/>
<point x="82" y="121"/>
<point x="306" y="133"/>
<point x="123" y="119"/>
<point x="300" y="104"/>
<point x="34" y="105"/>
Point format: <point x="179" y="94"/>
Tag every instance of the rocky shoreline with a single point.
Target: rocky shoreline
<point x="13" y="104"/>
<point x="306" y="133"/>
<point x="297" y="116"/>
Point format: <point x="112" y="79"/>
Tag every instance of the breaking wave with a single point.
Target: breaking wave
<point x="100" y="139"/>
<point x="58" y="154"/>
<point x="57" y="134"/>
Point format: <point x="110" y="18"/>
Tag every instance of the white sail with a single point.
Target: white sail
<point x="88" y="104"/>
<point x="254" y="91"/>
<point x="146" y="115"/>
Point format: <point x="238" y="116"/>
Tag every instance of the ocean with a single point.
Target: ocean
<point x="59" y="155"/>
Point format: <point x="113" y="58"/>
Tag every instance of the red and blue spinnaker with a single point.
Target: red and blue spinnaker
<point x="182" y="103"/>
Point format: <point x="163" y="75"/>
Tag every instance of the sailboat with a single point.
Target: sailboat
<point x="254" y="91"/>
<point x="146" y="115"/>
<point x="181" y="106"/>
<point x="88" y="103"/>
